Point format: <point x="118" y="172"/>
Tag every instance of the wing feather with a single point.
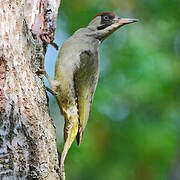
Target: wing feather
<point x="85" y="81"/>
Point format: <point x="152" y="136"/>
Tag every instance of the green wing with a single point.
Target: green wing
<point x="85" y="81"/>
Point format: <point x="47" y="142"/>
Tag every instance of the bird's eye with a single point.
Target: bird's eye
<point x="106" y="17"/>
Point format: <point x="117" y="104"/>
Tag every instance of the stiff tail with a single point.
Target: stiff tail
<point x="79" y="137"/>
<point x="70" y="132"/>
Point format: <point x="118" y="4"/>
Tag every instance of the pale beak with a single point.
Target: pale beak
<point x="127" y="20"/>
<point x="122" y="21"/>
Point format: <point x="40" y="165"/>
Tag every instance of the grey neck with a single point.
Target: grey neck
<point x="88" y="35"/>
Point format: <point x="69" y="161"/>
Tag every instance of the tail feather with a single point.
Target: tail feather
<point x="70" y="132"/>
<point x="79" y="137"/>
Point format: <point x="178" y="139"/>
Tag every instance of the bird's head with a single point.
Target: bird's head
<point x="104" y="24"/>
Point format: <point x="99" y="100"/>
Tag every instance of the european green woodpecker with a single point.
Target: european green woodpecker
<point x="76" y="75"/>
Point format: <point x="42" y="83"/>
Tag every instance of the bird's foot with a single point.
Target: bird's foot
<point x="53" y="83"/>
<point x="42" y="72"/>
<point x="51" y="91"/>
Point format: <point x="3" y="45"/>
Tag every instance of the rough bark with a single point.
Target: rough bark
<point x="27" y="134"/>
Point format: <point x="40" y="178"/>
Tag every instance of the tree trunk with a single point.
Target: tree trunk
<point x="27" y="134"/>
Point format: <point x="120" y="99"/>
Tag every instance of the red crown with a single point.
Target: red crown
<point x="101" y="14"/>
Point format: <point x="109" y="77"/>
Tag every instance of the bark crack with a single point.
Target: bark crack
<point x="27" y="134"/>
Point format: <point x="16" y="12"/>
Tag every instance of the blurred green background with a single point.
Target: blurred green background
<point x="133" y="130"/>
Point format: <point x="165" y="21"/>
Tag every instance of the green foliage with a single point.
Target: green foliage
<point x="132" y="133"/>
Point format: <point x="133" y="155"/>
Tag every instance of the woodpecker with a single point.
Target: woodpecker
<point x="76" y="75"/>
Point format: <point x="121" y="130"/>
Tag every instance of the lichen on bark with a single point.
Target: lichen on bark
<point x="27" y="134"/>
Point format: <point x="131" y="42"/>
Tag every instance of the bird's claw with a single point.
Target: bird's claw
<point x="41" y="72"/>
<point x="51" y="91"/>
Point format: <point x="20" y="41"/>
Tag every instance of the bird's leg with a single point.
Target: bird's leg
<point x="53" y="83"/>
<point x="51" y="91"/>
<point x="70" y="132"/>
